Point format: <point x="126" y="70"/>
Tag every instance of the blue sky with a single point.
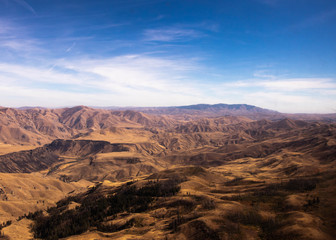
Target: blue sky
<point x="276" y="54"/>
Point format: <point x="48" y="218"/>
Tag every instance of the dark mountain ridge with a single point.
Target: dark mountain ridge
<point x="198" y="111"/>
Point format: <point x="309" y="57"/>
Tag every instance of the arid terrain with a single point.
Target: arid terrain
<point x="194" y="172"/>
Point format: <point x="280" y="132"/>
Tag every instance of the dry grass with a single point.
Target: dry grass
<point x="22" y="193"/>
<point x="9" y="148"/>
<point x="120" y="135"/>
<point x="19" y="230"/>
<point x="242" y="187"/>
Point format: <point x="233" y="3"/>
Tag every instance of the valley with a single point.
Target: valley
<point x="194" y="172"/>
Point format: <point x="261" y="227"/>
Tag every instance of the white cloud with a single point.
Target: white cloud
<point x="26" y="6"/>
<point x="17" y="40"/>
<point x="287" y="84"/>
<point x="263" y="74"/>
<point x="136" y="72"/>
<point x="4" y="27"/>
<point x="171" y="34"/>
<point x="269" y="2"/>
<point x="291" y="95"/>
<point x="22" y="74"/>
<point x="71" y="47"/>
<point x="21" y="45"/>
<point x="292" y="103"/>
<point x="124" y="80"/>
<point x="140" y="80"/>
<point x="298" y="84"/>
<point x="314" y="20"/>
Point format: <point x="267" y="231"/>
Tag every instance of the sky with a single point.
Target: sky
<point x="275" y="54"/>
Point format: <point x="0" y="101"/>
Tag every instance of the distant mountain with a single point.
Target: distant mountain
<point x="207" y="110"/>
<point x="221" y="157"/>
<point x="225" y="106"/>
<point x="38" y="126"/>
<point x="230" y="109"/>
<point x="198" y="111"/>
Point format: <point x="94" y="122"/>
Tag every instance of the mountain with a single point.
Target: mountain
<point x="192" y="172"/>
<point x="197" y="111"/>
<point x="208" y="110"/>
<point x="244" y="108"/>
<point x="35" y="126"/>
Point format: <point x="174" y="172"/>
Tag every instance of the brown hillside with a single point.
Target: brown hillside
<point x="39" y="126"/>
<point x="238" y="177"/>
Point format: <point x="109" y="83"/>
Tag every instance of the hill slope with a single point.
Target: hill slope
<point x="240" y="177"/>
<point x="39" y="126"/>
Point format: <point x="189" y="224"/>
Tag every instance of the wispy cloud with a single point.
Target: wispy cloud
<point x="105" y="26"/>
<point x="210" y="26"/>
<point x="142" y="80"/>
<point x="288" y="84"/>
<point x="311" y="95"/>
<point x="124" y="80"/>
<point x="181" y="32"/>
<point x="314" y="20"/>
<point x="297" y="84"/>
<point x="4" y="27"/>
<point x="20" y="45"/>
<point x="263" y="74"/>
<point x="34" y="74"/>
<point x="269" y="2"/>
<point x="291" y="102"/>
<point x="26" y="5"/>
<point x="171" y="34"/>
<point x="71" y="47"/>
<point x="15" y="38"/>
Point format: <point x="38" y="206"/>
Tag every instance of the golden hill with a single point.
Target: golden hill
<point x="252" y="174"/>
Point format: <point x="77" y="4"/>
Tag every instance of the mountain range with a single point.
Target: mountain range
<point x="196" y="172"/>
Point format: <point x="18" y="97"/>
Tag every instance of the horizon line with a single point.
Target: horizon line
<point x="153" y="107"/>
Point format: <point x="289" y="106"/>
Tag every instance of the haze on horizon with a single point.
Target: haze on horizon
<point x="274" y="54"/>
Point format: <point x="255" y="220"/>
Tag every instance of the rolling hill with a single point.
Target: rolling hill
<point x="202" y="171"/>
